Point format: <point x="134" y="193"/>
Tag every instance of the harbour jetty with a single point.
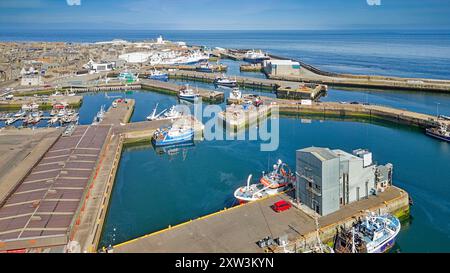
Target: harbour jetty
<point x="312" y="74"/>
<point x="236" y="117"/>
<point x="44" y="102"/>
<point x="283" y="89"/>
<point x="173" y="89"/>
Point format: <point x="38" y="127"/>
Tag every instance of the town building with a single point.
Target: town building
<point x="30" y="77"/>
<point x="281" y="67"/>
<point x="328" y="179"/>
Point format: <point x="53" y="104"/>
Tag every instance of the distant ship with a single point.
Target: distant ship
<point x="255" y="56"/>
<point x="373" y="234"/>
<point x="442" y="132"/>
<point x="271" y="183"/>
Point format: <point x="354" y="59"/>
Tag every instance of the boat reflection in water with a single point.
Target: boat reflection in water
<point x="175" y="149"/>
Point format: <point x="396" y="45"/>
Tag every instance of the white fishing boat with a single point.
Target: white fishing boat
<point x="11" y="120"/>
<point x="53" y="120"/>
<point x="187" y="93"/>
<point x="253" y="56"/>
<point x="276" y="181"/>
<point x="100" y="115"/>
<point x="235" y="94"/>
<point x="225" y="82"/>
<point x="20" y="114"/>
<point x="372" y="234"/>
<point x="153" y="115"/>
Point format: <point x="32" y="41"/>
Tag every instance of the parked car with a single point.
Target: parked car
<point x="281" y="206"/>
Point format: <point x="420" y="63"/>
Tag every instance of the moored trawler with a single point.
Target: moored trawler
<point x="128" y="77"/>
<point x="442" y="132"/>
<point x="187" y="93"/>
<point x="372" y="234"/>
<point x="205" y="67"/>
<point x="158" y="75"/>
<point x="253" y="56"/>
<point x="178" y="133"/>
<point x="235" y="94"/>
<point x="225" y="82"/>
<point x="278" y="180"/>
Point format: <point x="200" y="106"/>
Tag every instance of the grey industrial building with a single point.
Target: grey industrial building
<point x="328" y="179"/>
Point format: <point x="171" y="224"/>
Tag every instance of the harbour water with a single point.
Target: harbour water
<point x="201" y="179"/>
<point x="153" y="191"/>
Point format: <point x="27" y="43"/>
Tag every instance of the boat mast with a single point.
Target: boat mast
<point x="248" y="181"/>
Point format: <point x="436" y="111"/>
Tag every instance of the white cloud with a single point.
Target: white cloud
<point x="73" y="2"/>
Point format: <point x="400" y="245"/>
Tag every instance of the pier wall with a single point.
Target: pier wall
<point x="361" y="111"/>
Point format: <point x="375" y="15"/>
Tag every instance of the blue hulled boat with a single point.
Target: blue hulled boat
<point x="158" y="76"/>
<point x="173" y="135"/>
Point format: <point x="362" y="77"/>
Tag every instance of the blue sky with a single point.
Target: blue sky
<point x="223" y="15"/>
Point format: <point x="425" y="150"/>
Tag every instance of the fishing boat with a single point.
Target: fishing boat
<point x="20" y="114"/>
<point x="11" y="120"/>
<point x="205" y="67"/>
<point x="175" y="134"/>
<point x="441" y="132"/>
<point x="158" y="75"/>
<point x="276" y="181"/>
<point x="225" y="81"/>
<point x="187" y="93"/>
<point x="53" y="120"/>
<point x="372" y="234"/>
<point x="100" y="115"/>
<point x="33" y="118"/>
<point x="253" y="56"/>
<point x="128" y="77"/>
<point x="153" y="115"/>
<point x="236" y="94"/>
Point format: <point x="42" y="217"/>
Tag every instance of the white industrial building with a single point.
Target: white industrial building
<point x="99" y="67"/>
<point x="328" y="179"/>
<point x="281" y="67"/>
<point x="30" y="77"/>
<point x="136" y="57"/>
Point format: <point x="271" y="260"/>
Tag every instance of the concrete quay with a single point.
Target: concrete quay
<point x="173" y="89"/>
<point x="332" y="109"/>
<point x="237" y="229"/>
<point x="43" y="102"/>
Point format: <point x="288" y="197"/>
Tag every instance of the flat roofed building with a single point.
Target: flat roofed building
<point x="281" y="67"/>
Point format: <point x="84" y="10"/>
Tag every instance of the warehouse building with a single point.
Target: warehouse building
<point x="281" y="67"/>
<point x="328" y="179"/>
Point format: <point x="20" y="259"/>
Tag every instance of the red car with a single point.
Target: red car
<point x="281" y="206"/>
